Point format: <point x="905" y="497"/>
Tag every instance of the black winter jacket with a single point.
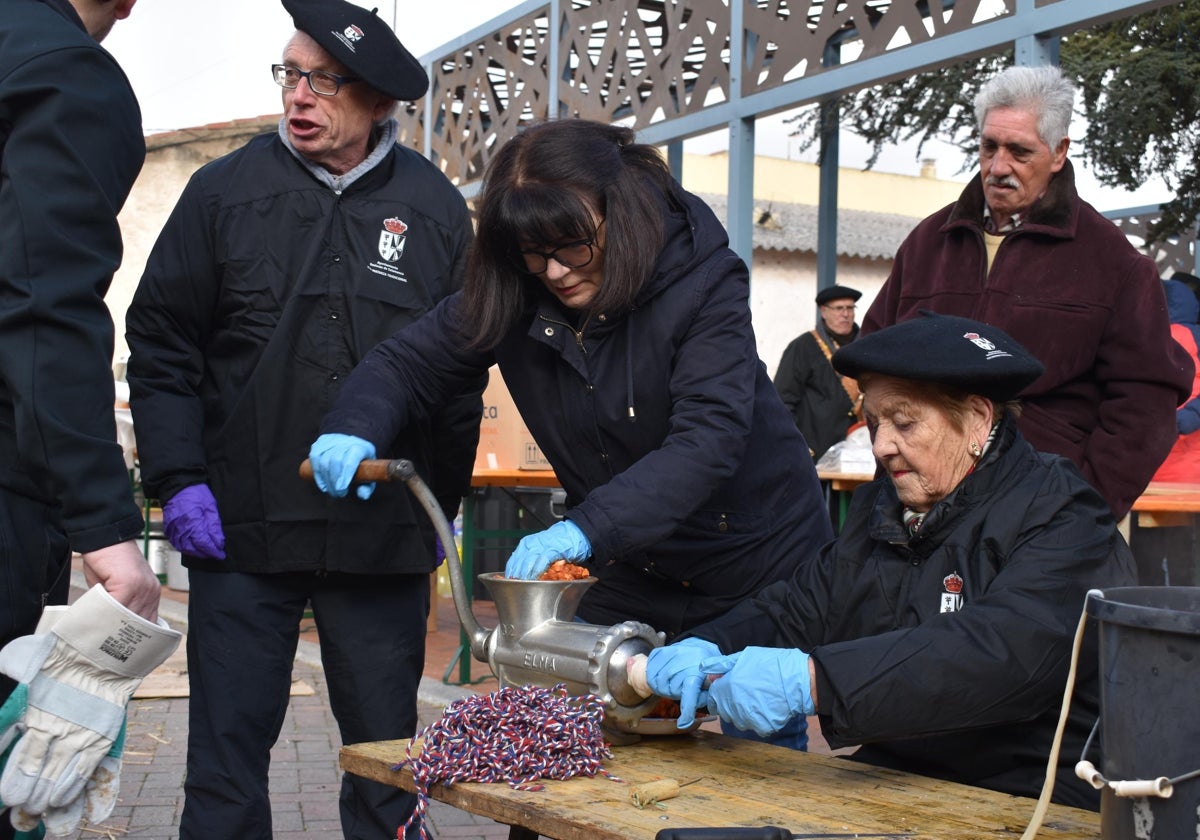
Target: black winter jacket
<point x="710" y="486"/>
<point x="971" y="695"/>
<point x="813" y="391"/>
<point x="70" y="149"/>
<point x="263" y="291"/>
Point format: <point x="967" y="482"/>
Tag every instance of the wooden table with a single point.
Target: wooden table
<point x="742" y="783"/>
<point x="1165" y="504"/>
<point x="1163" y="532"/>
<point x="472" y="535"/>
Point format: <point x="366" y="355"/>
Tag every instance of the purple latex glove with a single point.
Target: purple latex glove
<point x="440" y="553"/>
<point x="192" y="524"/>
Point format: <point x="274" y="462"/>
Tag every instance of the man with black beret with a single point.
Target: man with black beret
<point x="283" y="263"/>
<point x="824" y="404"/>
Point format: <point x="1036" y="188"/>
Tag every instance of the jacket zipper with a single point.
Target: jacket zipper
<point x="578" y="333"/>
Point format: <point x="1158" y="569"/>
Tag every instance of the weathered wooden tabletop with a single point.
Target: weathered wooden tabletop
<point x="741" y="783"/>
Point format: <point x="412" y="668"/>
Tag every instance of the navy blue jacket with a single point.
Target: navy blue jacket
<point x="709" y="484"/>
<point x="70" y="149"/>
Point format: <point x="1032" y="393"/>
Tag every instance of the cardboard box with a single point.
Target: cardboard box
<point x="504" y="441"/>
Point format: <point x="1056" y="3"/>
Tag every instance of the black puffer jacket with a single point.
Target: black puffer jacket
<point x="711" y="485"/>
<point x="971" y="695"/>
<point x="70" y="149"/>
<point x="813" y="391"/>
<point x="263" y="291"/>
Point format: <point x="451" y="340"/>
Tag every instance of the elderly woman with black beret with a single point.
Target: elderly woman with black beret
<point x="936" y="632"/>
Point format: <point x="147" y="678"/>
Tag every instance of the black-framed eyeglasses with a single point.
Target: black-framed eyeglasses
<point x="319" y="81"/>
<point x="575" y="254"/>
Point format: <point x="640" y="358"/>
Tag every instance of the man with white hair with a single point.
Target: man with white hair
<point x="1021" y="251"/>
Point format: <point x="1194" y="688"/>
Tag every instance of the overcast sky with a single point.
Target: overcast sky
<point x="193" y="63"/>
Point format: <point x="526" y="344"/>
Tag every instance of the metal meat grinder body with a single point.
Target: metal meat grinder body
<point x="537" y="640"/>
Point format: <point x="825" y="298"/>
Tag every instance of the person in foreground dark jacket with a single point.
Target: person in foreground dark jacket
<point x="620" y="320"/>
<point x="281" y="265"/>
<point x="937" y="631"/>
<point x="71" y="147"/>
<point x="1022" y="251"/>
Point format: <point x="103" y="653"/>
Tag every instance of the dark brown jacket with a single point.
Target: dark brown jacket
<point x="1070" y="287"/>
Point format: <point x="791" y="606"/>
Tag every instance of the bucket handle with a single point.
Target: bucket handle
<point x="1161" y="787"/>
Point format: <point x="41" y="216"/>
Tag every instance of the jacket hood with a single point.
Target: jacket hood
<point x="691" y="234"/>
<point x="1183" y="307"/>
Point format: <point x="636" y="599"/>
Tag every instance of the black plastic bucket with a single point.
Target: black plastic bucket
<point x="1149" y="707"/>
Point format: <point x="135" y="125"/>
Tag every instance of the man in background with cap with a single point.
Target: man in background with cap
<point x="1022" y="251"/>
<point x="824" y="404"/>
<point x="283" y="263"/>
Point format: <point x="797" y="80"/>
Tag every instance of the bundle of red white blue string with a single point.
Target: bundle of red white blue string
<point x="514" y="735"/>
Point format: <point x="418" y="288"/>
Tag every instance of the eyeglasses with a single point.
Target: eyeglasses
<point x="571" y="255"/>
<point x="319" y="81"/>
<point x="841" y="310"/>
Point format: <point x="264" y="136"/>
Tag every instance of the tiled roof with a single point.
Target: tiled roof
<point x="211" y="131"/>
<point x="793" y="227"/>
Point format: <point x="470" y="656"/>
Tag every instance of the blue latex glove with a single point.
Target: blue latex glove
<point x="192" y="524"/>
<point x="335" y="459"/>
<point x="760" y="688"/>
<point x="534" y="554"/>
<point x="674" y="671"/>
<point x="439" y="553"/>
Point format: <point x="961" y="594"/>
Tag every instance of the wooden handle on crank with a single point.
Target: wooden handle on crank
<point x="373" y="469"/>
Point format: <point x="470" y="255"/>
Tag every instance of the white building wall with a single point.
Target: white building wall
<point x="782" y="292"/>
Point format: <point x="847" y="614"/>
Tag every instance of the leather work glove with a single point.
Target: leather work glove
<point x="192" y="524"/>
<point x="760" y="688"/>
<point x="674" y="671"/>
<point x="99" y="795"/>
<point x="335" y="459"/>
<point x="534" y="554"/>
<point x="80" y="676"/>
<point x="94" y="805"/>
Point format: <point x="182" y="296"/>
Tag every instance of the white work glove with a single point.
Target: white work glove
<point x="80" y="676"/>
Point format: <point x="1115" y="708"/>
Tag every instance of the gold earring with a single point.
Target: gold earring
<point x="975" y="450"/>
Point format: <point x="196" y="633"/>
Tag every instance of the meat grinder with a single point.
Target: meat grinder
<point x="537" y="640"/>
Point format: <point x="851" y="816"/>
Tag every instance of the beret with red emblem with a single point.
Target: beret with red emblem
<point x="364" y="43"/>
<point x="964" y="354"/>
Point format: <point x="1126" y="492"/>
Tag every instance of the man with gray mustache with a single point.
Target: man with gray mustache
<point x="1021" y="251"/>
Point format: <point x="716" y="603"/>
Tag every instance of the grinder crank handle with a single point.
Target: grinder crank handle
<point x="372" y="469"/>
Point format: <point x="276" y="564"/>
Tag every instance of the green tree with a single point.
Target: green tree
<point x="1139" y="86"/>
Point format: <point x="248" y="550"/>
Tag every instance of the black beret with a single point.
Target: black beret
<point x="837" y="293"/>
<point x="359" y="39"/>
<point x="958" y="352"/>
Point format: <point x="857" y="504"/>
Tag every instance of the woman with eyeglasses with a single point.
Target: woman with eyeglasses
<point x="620" y="320"/>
